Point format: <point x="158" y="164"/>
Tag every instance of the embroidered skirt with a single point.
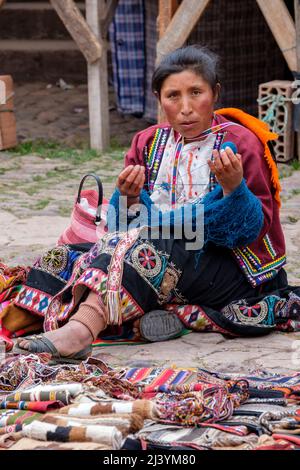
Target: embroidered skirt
<point x="132" y="275"/>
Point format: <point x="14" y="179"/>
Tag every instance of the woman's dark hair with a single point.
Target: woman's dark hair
<point x="197" y="58"/>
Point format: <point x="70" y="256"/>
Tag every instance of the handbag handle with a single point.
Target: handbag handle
<point x="100" y="195"/>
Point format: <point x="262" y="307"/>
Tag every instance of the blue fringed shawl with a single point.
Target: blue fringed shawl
<point x="232" y="221"/>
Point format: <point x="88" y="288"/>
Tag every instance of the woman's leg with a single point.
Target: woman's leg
<point x="129" y="292"/>
<point x="83" y="327"/>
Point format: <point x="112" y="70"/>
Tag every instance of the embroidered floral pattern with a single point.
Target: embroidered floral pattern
<point x="146" y="260"/>
<point x="261" y="313"/>
<point x="169" y="283"/>
<point x="55" y="260"/>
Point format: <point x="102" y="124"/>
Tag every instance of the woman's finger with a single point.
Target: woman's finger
<point x="134" y="183"/>
<point x="133" y="188"/>
<point x="132" y="176"/>
<point x="228" y="150"/>
<point x="139" y="173"/>
<point x="218" y="163"/>
<point x="130" y="179"/>
<point x="213" y="169"/>
<point x="142" y="177"/>
<point x="124" y="173"/>
<point x="236" y="160"/>
<point x="211" y="165"/>
<point x="124" y="184"/>
<point x="215" y="154"/>
<point x="139" y="181"/>
<point x="226" y="160"/>
<point x="122" y="178"/>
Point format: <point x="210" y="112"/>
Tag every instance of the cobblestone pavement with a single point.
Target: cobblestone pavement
<point x="27" y="230"/>
<point x="36" y="199"/>
<point x="46" y="111"/>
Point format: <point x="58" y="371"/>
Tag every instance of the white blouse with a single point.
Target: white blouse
<point x="193" y="172"/>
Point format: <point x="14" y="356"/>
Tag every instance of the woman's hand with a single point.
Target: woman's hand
<point x="228" y="169"/>
<point x="130" y="182"/>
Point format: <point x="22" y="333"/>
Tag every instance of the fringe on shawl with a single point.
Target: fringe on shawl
<point x="261" y="130"/>
<point x="113" y="305"/>
<point x="115" y="274"/>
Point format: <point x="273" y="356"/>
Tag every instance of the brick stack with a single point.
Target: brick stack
<point x="284" y="146"/>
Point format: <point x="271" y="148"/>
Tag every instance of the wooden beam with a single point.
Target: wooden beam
<point x="166" y="10"/>
<point x="182" y="24"/>
<point x="98" y="82"/>
<point x="109" y="13"/>
<point x="75" y="23"/>
<point x="283" y="28"/>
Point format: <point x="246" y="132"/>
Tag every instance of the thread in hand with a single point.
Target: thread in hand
<point x="229" y="144"/>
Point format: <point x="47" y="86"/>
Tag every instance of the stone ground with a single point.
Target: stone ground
<point x="36" y="197"/>
<point x="48" y="111"/>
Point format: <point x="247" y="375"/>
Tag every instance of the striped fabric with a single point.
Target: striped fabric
<point x="107" y="435"/>
<point x="245" y="63"/>
<point x="159" y="379"/>
<point x="127" y="41"/>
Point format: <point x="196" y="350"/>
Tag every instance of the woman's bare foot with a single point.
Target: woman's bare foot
<point x="69" y="339"/>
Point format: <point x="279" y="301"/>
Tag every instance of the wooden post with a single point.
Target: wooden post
<point x="97" y="81"/>
<point x="109" y="14"/>
<point x="75" y="23"/>
<point x="283" y="28"/>
<point x="297" y="23"/>
<point x="182" y="24"/>
<point x="1" y="3"/>
<point x="166" y="10"/>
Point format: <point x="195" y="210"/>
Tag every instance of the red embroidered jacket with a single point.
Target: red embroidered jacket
<point x="262" y="259"/>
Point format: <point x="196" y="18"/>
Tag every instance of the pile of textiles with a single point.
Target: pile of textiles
<point x="267" y="417"/>
<point x="11" y="280"/>
<point x="92" y="406"/>
<point x="67" y="406"/>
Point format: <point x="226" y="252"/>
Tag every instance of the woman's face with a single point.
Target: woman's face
<point x="188" y="102"/>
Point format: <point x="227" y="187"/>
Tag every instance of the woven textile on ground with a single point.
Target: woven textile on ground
<point x="102" y="406"/>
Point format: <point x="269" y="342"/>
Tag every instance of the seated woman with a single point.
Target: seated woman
<point x="185" y="163"/>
